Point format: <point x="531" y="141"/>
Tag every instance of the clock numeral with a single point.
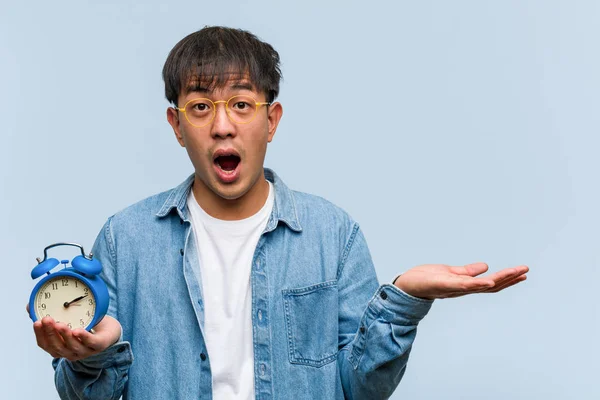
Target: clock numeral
<point x="91" y="302"/>
<point x="86" y="290"/>
<point x="55" y="286"/>
<point x="81" y="322"/>
<point x="69" y="325"/>
<point x="43" y="306"/>
<point x="47" y="315"/>
<point x="76" y="284"/>
<point x="65" y="282"/>
<point x="88" y="313"/>
<point x="46" y="295"/>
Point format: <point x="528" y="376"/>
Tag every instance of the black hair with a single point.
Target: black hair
<point x="214" y="54"/>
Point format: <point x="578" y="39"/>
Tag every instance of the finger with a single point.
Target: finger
<point x="40" y="337"/>
<point x="503" y="275"/>
<point x="54" y="344"/>
<point x="508" y="274"/>
<point x="470" y="269"/>
<point x="508" y="280"/>
<point x="502" y="282"/>
<point x="464" y="284"/>
<point x="74" y="349"/>
<point x="494" y="289"/>
<point x="89" y="340"/>
<point x="458" y="294"/>
<point x="507" y="284"/>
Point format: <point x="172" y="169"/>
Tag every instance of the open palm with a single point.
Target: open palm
<point x="437" y="281"/>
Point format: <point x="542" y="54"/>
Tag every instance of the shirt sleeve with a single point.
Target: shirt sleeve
<point x="378" y="325"/>
<point x="102" y="376"/>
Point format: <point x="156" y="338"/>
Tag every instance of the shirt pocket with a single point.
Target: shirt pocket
<point x="311" y="319"/>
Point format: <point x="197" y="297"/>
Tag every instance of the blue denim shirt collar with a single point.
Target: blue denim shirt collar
<point x="284" y="208"/>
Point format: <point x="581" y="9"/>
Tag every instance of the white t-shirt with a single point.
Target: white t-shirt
<point x="225" y="250"/>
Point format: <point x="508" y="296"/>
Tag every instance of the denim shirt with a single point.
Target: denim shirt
<point x="323" y="328"/>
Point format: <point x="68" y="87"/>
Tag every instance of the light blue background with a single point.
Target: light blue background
<point x="454" y="132"/>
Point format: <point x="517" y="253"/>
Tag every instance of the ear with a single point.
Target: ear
<point x="274" y="115"/>
<point x="173" y="118"/>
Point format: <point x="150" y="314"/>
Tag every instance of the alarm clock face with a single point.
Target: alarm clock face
<point x="66" y="299"/>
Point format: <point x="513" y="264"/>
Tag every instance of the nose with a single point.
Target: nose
<point x="222" y="125"/>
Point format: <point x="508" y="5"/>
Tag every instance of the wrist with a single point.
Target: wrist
<point x="401" y="283"/>
<point x="398" y="282"/>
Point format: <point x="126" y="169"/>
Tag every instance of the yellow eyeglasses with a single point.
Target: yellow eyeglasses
<point x="240" y="110"/>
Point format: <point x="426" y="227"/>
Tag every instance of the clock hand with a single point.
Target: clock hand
<point x="68" y="303"/>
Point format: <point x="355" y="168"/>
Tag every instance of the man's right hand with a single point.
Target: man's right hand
<point x="58" y="340"/>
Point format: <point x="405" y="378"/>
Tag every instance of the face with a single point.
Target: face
<point x="228" y="157"/>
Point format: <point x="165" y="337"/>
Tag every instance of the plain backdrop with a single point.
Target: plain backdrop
<point x="454" y="132"/>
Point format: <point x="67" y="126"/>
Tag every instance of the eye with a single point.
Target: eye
<point x="241" y="105"/>
<point x="200" y="107"/>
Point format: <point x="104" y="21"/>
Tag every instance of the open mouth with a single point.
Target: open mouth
<point x="227" y="163"/>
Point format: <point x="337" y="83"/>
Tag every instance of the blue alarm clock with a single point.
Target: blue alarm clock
<point x="75" y="296"/>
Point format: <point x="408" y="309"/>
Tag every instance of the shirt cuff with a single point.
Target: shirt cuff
<point x="116" y="355"/>
<point x="405" y="308"/>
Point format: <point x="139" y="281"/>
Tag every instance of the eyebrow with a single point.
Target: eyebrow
<point x="199" y="87"/>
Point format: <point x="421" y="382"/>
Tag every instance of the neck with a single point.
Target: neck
<point x="232" y="209"/>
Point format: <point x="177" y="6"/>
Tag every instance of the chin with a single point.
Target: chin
<point x="230" y="192"/>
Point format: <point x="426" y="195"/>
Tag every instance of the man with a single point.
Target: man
<point x="231" y="285"/>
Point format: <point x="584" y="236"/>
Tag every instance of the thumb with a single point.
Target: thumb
<point x="106" y="333"/>
<point x="474" y="269"/>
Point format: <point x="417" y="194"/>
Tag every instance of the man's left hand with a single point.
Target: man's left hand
<point x="438" y="281"/>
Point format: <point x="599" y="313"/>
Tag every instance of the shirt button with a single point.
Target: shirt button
<point x="263" y="369"/>
<point x="181" y="251"/>
<point x="362" y="329"/>
<point x="257" y="264"/>
<point x="383" y="295"/>
<point x="259" y="315"/>
<point x="202" y="356"/>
